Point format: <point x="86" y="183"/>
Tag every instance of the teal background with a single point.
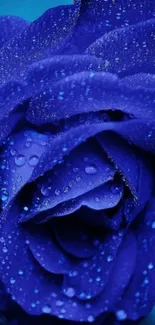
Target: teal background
<point x="31" y="10"/>
<point x="28" y="9"/>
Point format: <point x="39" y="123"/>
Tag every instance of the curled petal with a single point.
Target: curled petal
<point x="117" y="46"/>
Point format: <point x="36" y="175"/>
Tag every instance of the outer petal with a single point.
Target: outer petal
<point x="9" y="27"/>
<point x="100" y="17"/>
<point x="141" y="289"/>
<point x="41" y="38"/>
<point x="117" y="46"/>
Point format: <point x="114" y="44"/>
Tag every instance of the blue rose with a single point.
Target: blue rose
<point x="77" y="136"/>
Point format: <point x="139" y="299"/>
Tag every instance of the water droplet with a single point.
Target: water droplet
<point x="57" y="192"/>
<point x="46" y="191"/>
<point x="33" y="160"/>
<point x="153" y="225"/>
<point x="91" y="318"/>
<point x="121" y="314"/>
<point x="66" y="189"/>
<point x="150" y="266"/>
<point x="12" y="280"/>
<point x="115" y="189"/>
<point x="26" y="208"/>
<point x="109" y="258"/>
<point x="146" y="281"/>
<point x="59" y="303"/>
<point x="4" y="194"/>
<point x="20" y="272"/>
<point x="78" y="178"/>
<point x="5" y="250"/>
<point x="75" y="170"/>
<point x="46" y="309"/>
<point x="20" y="160"/>
<point x="91" y="169"/>
<point x="92" y="74"/>
<point x="73" y="273"/>
<point x="13" y="152"/>
<point x="69" y="292"/>
<point x="64" y="149"/>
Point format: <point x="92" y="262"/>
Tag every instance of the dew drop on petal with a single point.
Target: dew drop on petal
<point x="12" y="280"/>
<point x="13" y="152"/>
<point x="150" y="266"/>
<point x="46" y="309"/>
<point x="25" y="208"/>
<point x="115" y="189"/>
<point x="20" y="272"/>
<point x="5" y="250"/>
<point x="64" y="149"/>
<point x="153" y="225"/>
<point x="57" y="192"/>
<point x="90" y="169"/>
<point x="121" y="314"/>
<point x="20" y="160"/>
<point x="4" y="194"/>
<point x="91" y="318"/>
<point x="69" y="292"/>
<point x="59" y="303"/>
<point x="109" y="258"/>
<point x="33" y="160"/>
<point x="46" y="190"/>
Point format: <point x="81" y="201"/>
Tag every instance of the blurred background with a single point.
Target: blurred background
<point x="31" y="10"/>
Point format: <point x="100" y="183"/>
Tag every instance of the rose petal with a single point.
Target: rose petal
<point x="74" y="237"/>
<point x="9" y="26"/>
<point x="139" y="296"/>
<point x="28" y="283"/>
<point x="125" y="157"/>
<point x="86" y="168"/>
<point x="117" y="46"/>
<point x="119" y="272"/>
<point x="42" y="37"/>
<point x="98" y="17"/>
<point x="86" y="92"/>
<point x="47" y="252"/>
<point x="19" y="157"/>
